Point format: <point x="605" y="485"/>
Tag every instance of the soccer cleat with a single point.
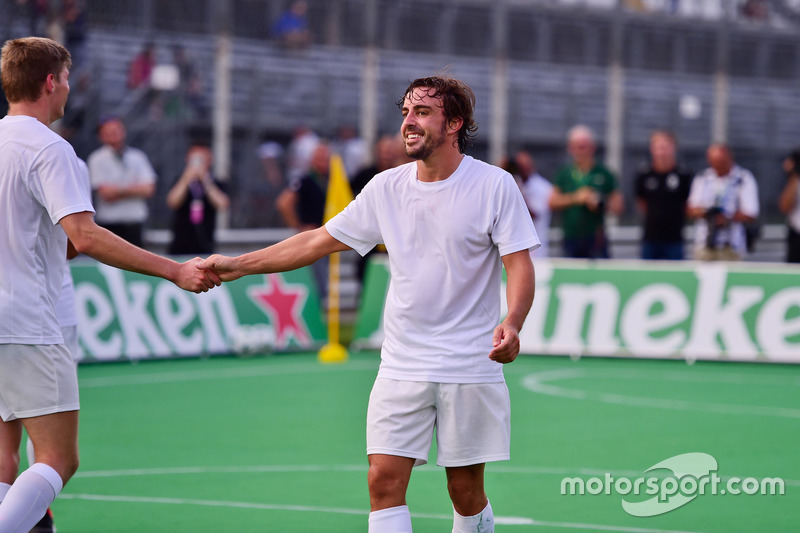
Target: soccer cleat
<point x="45" y="525"/>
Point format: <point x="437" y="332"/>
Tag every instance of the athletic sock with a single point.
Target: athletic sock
<point x="391" y="520"/>
<point x="4" y="490"/>
<point x="482" y="522"/>
<point x="28" y="498"/>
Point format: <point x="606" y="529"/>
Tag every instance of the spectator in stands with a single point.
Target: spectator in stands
<point x="789" y="204"/>
<point x="661" y="190"/>
<point x="585" y="190"/>
<point x="291" y="28"/>
<point x="195" y="199"/>
<point x="386" y="156"/>
<point x="187" y="101"/>
<point x="352" y="149"/>
<point x="141" y="67"/>
<point x="300" y="149"/>
<point x="536" y="190"/>
<point x="123" y="179"/>
<point x="302" y="204"/>
<point x="723" y="198"/>
<point x="265" y="192"/>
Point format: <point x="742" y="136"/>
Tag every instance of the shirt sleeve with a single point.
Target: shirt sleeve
<point x="357" y="225"/>
<point x="146" y="172"/>
<point x="512" y="228"/>
<point x="748" y="195"/>
<point x="59" y="182"/>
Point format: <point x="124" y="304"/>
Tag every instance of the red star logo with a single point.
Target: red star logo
<point x="283" y="304"/>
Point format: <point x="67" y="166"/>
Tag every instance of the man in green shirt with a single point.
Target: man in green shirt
<point x="585" y="191"/>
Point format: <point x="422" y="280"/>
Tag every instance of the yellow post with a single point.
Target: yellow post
<point x="334" y="351"/>
<point x="337" y="197"/>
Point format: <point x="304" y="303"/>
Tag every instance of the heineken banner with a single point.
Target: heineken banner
<point x="130" y="316"/>
<point x="714" y="311"/>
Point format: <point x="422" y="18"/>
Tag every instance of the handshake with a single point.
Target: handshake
<point x="199" y="275"/>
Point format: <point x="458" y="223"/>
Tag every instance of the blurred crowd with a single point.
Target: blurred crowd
<point x="720" y="202"/>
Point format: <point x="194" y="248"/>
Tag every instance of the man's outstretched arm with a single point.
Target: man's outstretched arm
<point x="297" y="251"/>
<point x="99" y="243"/>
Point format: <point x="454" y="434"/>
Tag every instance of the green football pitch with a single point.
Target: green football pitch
<point x="276" y="443"/>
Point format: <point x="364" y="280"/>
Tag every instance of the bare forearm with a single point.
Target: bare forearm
<point x="297" y="251"/>
<point x="177" y="195"/>
<point x="560" y="200"/>
<point x="218" y="199"/>
<point x="738" y="216"/>
<point x="520" y="289"/>
<point x="102" y="245"/>
<point x="138" y="191"/>
<point x="788" y="197"/>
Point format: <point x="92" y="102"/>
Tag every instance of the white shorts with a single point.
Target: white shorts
<point x="36" y="380"/>
<point x="472" y="421"/>
<point x="70" y="334"/>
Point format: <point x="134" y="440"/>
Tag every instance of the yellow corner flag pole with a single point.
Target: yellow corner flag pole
<point x="337" y="197"/>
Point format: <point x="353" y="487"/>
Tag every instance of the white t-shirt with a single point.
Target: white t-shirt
<point x="536" y="191"/>
<point x="65" y="305"/>
<point x="40" y="183"/>
<point x="132" y="168"/>
<point x="737" y="191"/>
<point x="445" y="240"/>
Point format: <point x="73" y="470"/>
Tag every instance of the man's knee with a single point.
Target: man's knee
<point x="385" y="482"/>
<point x="65" y="463"/>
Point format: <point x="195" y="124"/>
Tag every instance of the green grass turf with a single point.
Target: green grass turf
<point x="277" y="444"/>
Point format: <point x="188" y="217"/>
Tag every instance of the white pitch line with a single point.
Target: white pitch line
<point x="260" y="469"/>
<point x="503" y="520"/>
<point x="538" y="382"/>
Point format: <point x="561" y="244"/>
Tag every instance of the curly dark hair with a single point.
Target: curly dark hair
<point x="458" y="101"/>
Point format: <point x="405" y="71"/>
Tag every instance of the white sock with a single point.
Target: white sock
<point x="391" y="520"/>
<point x="28" y="498"/>
<point x="482" y="522"/>
<point x="4" y="490"/>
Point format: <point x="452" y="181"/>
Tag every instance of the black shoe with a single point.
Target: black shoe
<point x="45" y="525"/>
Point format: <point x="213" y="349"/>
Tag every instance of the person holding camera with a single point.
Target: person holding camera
<point x="789" y="204"/>
<point x="195" y="199"/>
<point x="723" y="198"/>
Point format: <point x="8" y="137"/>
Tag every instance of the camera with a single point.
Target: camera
<point x="713" y="228"/>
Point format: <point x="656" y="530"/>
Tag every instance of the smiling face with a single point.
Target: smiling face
<point x="424" y="126"/>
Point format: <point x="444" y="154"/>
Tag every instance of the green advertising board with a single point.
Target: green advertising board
<point x="690" y="310"/>
<point x="122" y="315"/>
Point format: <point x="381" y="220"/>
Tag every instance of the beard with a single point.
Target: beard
<point x="429" y="144"/>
